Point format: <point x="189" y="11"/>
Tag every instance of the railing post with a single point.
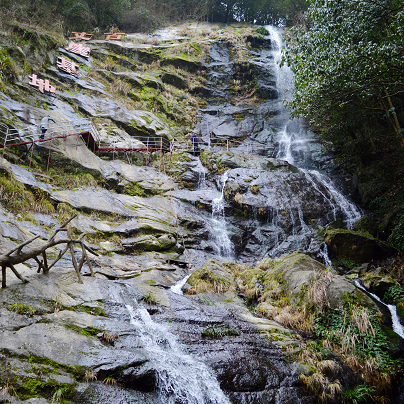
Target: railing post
<point x="30" y="157"/>
<point x="5" y="142"/>
<point x="50" y="147"/>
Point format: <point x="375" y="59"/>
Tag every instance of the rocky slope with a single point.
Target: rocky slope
<point x="125" y="336"/>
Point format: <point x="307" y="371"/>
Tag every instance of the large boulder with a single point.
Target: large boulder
<point x="358" y="247"/>
<point x="299" y="272"/>
<point x="211" y="277"/>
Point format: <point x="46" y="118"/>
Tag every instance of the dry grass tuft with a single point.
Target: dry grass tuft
<point x="328" y="367"/>
<point x="317" y="292"/>
<point x="205" y="281"/>
<point x="360" y="317"/>
<point x="89" y="376"/>
<point x="318" y="385"/>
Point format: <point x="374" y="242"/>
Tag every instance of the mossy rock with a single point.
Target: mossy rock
<point x="366" y="225"/>
<point x="150" y="243"/>
<point x="297" y="272"/>
<point x="358" y="247"/>
<point x="182" y="63"/>
<point x="174" y="79"/>
<point x="378" y="284"/>
<point x="213" y="276"/>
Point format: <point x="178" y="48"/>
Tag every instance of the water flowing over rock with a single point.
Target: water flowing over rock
<point x="166" y="224"/>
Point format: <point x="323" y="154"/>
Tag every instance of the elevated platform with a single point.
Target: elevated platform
<point x="84" y="129"/>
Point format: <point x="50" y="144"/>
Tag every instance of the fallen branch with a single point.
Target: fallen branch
<point x="18" y="256"/>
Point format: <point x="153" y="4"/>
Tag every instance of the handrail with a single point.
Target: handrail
<point x="228" y="144"/>
<point x="10" y="136"/>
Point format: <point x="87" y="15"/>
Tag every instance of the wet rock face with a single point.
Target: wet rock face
<point x="358" y="247"/>
<point x="119" y="350"/>
<point x="248" y="369"/>
<point x="286" y="193"/>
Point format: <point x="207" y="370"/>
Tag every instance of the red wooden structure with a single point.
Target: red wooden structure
<point x="67" y="66"/>
<point x="81" y="35"/>
<point x="79" y="49"/>
<point x="113" y="35"/>
<point x="41" y="85"/>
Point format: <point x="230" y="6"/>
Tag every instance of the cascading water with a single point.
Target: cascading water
<point x="201" y="170"/>
<point x="222" y="243"/>
<point x="398" y="328"/>
<point x="181" y="379"/>
<point x="294" y="140"/>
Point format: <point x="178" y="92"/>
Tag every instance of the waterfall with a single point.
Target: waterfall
<point x="398" y="328"/>
<point x="351" y="212"/>
<point x="181" y="379"/>
<point x="294" y="141"/>
<point x="201" y="170"/>
<point x="177" y="288"/>
<point x="222" y="243"/>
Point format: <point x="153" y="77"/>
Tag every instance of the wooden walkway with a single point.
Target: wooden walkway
<point x="84" y="129"/>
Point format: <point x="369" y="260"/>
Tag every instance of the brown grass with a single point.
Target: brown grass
<point x="360" y="317"/>
<point x="317" y="292"/>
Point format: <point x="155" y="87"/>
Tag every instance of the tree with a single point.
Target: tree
<point x="350" y="60"/>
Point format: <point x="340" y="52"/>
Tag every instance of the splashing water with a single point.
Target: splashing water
<point x="177" y="288"/>
<point x="201" y="170"/>
<point x="351" y="212"/>
<point x="222" y="243"/>
<point x="294" y="141"/>
<point x="398" y="328"/>
<point x="181" y="378"/>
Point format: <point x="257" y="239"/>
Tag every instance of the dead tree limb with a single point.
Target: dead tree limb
<point x="18" y="256"/>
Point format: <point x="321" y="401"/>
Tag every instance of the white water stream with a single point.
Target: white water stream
<point x="294" y="141"/>
<point x="181" y="378"/>
<point x="202" y="171"/>
<point x="398" y="328"/>
<point x="222" y="243"/>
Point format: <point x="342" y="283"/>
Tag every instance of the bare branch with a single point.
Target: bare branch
<point x="8" y="260"/>
<point x="20" y="246"/>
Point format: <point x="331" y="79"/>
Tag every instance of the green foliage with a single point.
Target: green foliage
<point x="24" y="309"/>
<point x="348" y="263"/>
<point x="15" y="197"/>
<point x="66" y="180"/>
<point x="7" y="69"/>
<point x="87" y="331"/>
<point x="218" y="333"/>
<point x="346" y="58"/>
<point x="397" y="235"/>
<point x="50" y="389"/>
<point x="78" y="371"/>
<point x="95" y="311"/>
<point x="342" y="327"/>
<point x="359" y="394"/>
<point x="394" y="294"/>
<point x="261" y="31"/>
<point x="134" y="189"/>
<point x="149" y="299"/>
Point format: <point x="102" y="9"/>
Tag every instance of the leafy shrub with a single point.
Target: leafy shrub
<point x="262" y="31"/>
<point x="397" y="235"/>
<point x="394" y="294"/>
<point x="359" y="394"/>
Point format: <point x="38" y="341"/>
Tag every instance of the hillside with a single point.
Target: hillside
<point x="241" y="226"/>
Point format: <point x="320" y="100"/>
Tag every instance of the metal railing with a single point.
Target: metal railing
<point x="238" y="146"/>
<point x="30" y="134"/>
<point x="11" y="136"/>
<point x="135" y="143"/>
